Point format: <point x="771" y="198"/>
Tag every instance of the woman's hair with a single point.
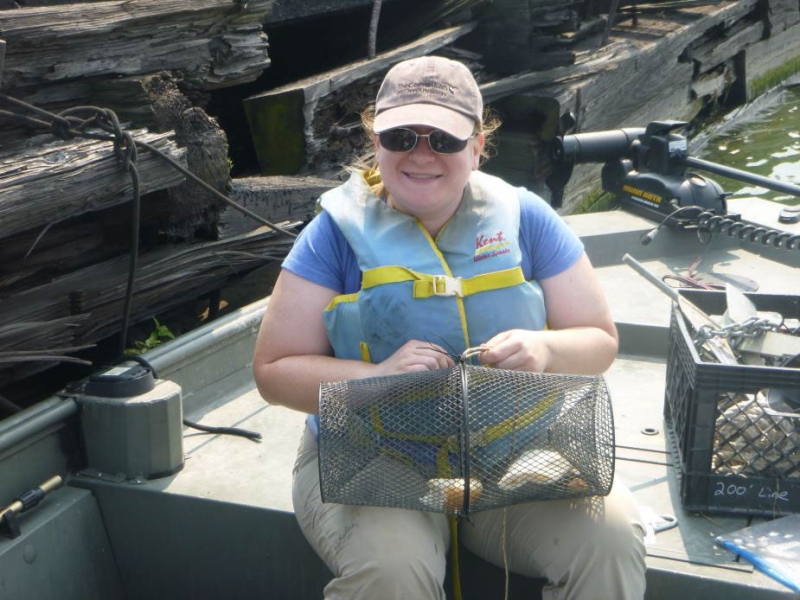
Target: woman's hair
<point x="488" y="126"/>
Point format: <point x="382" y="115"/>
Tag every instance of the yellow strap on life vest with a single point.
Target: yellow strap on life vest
<point x="426" y="285"/>
<point x="340" y="299"/>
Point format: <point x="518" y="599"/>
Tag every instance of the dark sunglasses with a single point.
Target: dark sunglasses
<point x="405" y="140"/>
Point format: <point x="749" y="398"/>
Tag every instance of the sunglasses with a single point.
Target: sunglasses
<point x="405" y="140"/>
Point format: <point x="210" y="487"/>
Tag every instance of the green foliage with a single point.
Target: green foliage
<point x="774" y="77"/>
<point x="156" y="338"/>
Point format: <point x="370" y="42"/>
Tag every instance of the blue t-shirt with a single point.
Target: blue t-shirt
<point x="322" y="255"/>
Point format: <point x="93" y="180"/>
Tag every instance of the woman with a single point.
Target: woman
<point x="427" y="207"/>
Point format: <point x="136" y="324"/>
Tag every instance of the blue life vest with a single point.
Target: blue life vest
<point x="457" y="290"/>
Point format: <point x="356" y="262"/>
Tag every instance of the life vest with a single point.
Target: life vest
<point x="457" y="290"/>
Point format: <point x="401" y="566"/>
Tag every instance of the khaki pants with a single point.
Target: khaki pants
<point x="591" y="548"/>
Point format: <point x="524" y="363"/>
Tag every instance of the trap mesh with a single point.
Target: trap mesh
<point x="464" y="439"/>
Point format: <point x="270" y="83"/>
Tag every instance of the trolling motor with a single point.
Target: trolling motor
<point x="648" y="170"/>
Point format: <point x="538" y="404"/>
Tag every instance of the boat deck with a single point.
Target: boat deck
<point x="683" y="560"/>
<point x="223" y="526"/>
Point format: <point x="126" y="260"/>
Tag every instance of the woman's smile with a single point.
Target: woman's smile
<point x="422" y="176"/>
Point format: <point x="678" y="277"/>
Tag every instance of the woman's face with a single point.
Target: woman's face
<point x="425" y="184"/>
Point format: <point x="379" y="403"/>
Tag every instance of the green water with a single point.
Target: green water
<point x="767" y="144"/>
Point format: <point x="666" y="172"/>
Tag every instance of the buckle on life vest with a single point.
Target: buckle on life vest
<point x="447" y="286"/>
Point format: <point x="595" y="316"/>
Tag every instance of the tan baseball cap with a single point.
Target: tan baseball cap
<point x="432" y="91"/>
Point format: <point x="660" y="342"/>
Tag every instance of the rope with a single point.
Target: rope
<point x="456" y="566"/>
<point x="504" y="542"/>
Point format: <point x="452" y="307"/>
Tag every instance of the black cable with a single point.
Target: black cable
<point x="250" y="435"/>
<point x="711" y="222"/>
<point x="648" y="237"/>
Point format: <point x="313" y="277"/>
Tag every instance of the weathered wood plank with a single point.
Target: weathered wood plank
<point x="717" y="49"/>
<point x="606" y="58"/>
<point x="216" y="43"/>
<point x="522" y="159"/>
<point x="165" y="278"/>
<point x="782" y="14"/>
<point x="191" y="207"/>
<point x="517" y="33"/>
<point x="287" y="11"/>
<point x="294" y="127"/>
<point x="44" y="184"/>
<point x="29" y="259"/>
<point x="713" y="83"/>
<point x="41" y="337"/>
<point x="85" y="306"/>
<point x="673" y="39"/>
<point x="277" y="199"/>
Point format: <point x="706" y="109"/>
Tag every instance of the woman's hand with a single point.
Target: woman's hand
<point x="580" y="338"/>
<point x="415" y="356"/>
<point x="517" y="350"/>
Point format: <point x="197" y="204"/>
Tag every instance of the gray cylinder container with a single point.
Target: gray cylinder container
<point x="136" y="437"/>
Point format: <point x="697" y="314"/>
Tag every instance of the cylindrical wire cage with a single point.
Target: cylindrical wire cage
<point x="465" y="439"/>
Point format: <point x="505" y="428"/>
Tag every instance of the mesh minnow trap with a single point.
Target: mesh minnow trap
<point x="464" y="439"/>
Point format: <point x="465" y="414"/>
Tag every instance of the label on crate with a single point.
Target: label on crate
<point x="773" y="496"/>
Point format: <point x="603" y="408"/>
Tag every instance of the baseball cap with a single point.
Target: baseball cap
<point x="431" y="91"/>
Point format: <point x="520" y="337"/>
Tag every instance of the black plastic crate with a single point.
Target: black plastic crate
<point x="731" y="456"/>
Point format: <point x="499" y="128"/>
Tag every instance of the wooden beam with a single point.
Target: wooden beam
<point x="85" y="306"/>
<point x="601" y="60"/>
<point x="191" y="207"/>
<point x="277" y="199"/>
<point x="719" y="48"/>
<point x="296" y="128"/>
<point x="713" y="83"/>
<point x="215" y="43"/>
<point x="674" y="38"/>
<point x="782" y="14"/>
<point x="41" y="184"/>
<point x="287" y="11"/>
<point x="165" y="278"/>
